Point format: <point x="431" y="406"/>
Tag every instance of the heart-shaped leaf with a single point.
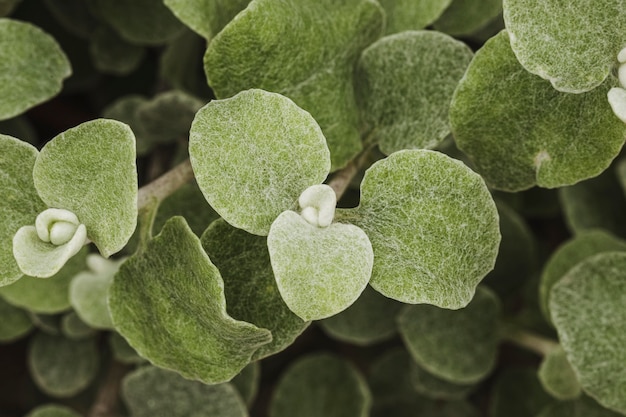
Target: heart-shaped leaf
<point x="319" y="271"/>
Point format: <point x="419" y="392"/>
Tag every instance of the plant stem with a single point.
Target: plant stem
<point x="531" y="341"/>
<point x="105" y="404"/>
<point x="342" y="178"/>
<point x="166" y="184"/>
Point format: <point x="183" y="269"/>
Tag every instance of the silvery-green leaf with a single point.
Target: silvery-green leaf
<point x="74" y="328"/>
<point x="113" y="55"/>
<point x="518" y="393"/>
<point x="190" y="333"/>
<point x="188" y="202"/>
<point x="254" y="154"/>
<point x="62" y="367"/>
<point x="405" y="84"/>
<point x="587" y="308"/>
<point x="464" y="17"/>
<point x="371" y="319"/>
<point x="249" y="284"/>
<point x="581" y="407"/>
<point x="320" y="40"/>
<point x="247" y="382"/>
<point x="90" y="170"/>
<point x="52" y="410"/>
<point x="206" y="17"/>
<point x="321" y="385"/>
<point x="15" y="322"/>
<point x="124" y="109"/>
<point x="144" y="22"/>
<point x="122" y="351"/>
<point x="434" y="387"/>
<point x="320" y="271"/>
<point x="530" y="134"/>
<point x="412" y="14"/>
<point x="49" y="295"/>
<point x="574" y="45"/>
<point x="459" y="346"/>
<point x="155" y="392"/>
<point x="558" y="377"/>
<point x="19" y="204"/>
<point x="26" y="82"/>
<point x="569" y="254"/>
<point x="433" y="227"/>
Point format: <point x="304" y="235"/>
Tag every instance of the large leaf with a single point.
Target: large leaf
<point x="253" y="155"/>
<point x="168" y="302"/>
<point x="206" y="17"/>
<point x="412" y="14"/>
<point x="433" y="227"/>
<point x="32" y="67"/>
<point x="520" y="132"/>
<point x="90" y="170"/>
<point x="320" y="40"/>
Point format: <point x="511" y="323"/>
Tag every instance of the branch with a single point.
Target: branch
<point x="106" y="401"/>
<point x="166" y="184"/>
<point x="342" y="178"/>
<point x="531" y="341"/>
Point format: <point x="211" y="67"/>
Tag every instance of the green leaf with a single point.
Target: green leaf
<point x="434" y="387"/>
<point x="321" y="40"/>
<point x="188" y="202"/>
<point x="190" y="333"/>
<point x="321" y="385"/>
<point x="125" y="109"/>
<point x="530" y="134"/>
<point x="52" y="410"/>
<point x="101" y="153"/>
<point x="558" y="377"/>
<point x="74" y="15"/>
<point x="574" y="47"/>
<point x="113" y="55"/>
<point x="206" y="17"/>
<point x="247" y="382"/>
<point x="26" y="82"/>
<point x="15" y="322"/>
<point x="74" y="328"/>
<point x="143" y="22"/>
<point x="433" y="226"/>
<point x="411" y="14"/>
<point x="62" y="367"/>
<point x="390" y="378"/>
<point x="464" y="17"/>
<point x="587" y="307"/>
<point x="154" y="392"/>
<point x="249" y="285"/>
<point x="122" y="351"/>
<point x="405" y="85"/>
<point x="458" y="346"/>
<point x="571" y="253"/>
<point x="582" y="407"/>
<point x="19" y="204"/>
<point x="49" y="295"/>
<point x="179" y="62"/>
<point x="319" y="271"/>
<point x="371" y="319"/>
<point x="253" y="155"/>
<point x="518" y="393"/>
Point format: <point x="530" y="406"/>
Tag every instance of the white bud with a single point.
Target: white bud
<point x="318" y="204"/>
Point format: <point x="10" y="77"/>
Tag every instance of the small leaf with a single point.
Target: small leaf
<point x="405" y="85"/>
<point x="188" y="202"/>
<point x="26" y="82"/>
<point x="122" y="351"/>
<point x="52" y="410"/>
<point x="558" y="377"/>
<point x="154" y="392"/>
<point x="253" y="155"/>
<point x="464" y="17"/>
<point x="530" y="134"/>
<point x="113" y="55"/>
<point x="434" y="387"/>
<point x="456" y="345"/>
<point x="433" y="226"/>
<point x="179" y="62"/>
<point x="15" y="322"/>
<point x="101" y="153"/>
<point x="206" y="17"/>
<point x="74" y="15"/>
<point x="390" y="378"/>
<point x="247" y="382"/>
<point x="410" y="14"/>
<point x="587" y="307"/>
<point x="321" y="385"/>
<point x="74" y="328"/>
<point x="582" y="407"/>
<point x="190" y="332"/>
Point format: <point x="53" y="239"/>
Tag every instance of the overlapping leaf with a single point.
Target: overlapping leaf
<point x="53" y="410"/>
<point x="206" y="17"/>
<point x="15" y="322"/>
<point x="464" y="17"/>
<point x="558" y="377"/>
<point x="582" y="407"/>
<point x="518" y="393"/>
<point x="412" y="14"/>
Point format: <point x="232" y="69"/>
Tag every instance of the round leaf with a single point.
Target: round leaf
<point x="520" y="132"/>
<point x="254" y="154"/>
<point x="411" y="14"/>
<point x="90" y="170"/>
<point x="247" y="382"/>
<point x="74" y="328"/>
<point x="15" y="322"/>
<point x="434" y="387"/>
<point x="53" y="410"/>
<point x="558" y="377"/>
<point x="122" y="351"/>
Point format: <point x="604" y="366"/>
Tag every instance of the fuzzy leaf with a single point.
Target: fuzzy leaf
<point x="26" y="82"/>
<point x="19" y="204"/>
<point x="433" y="227"/>
<point x="319" y="271"/>
<point x="558" y="377"/>
<point x="321" y="385"/>
<point x="464" y="17"/>
<point x="412" y="14"/>
<point x="249" y="284"/>
<point x="90" y="170"/>
<point x="253" y="155"/>
<point x="456" y="345"/>
<point x="530" y="134"/>
<point x="573" y="45"/>
<point x="587" y="307"/>
<point x="206" y="17"/>
<point x="53" y="410"/>
<point x="247" y="382"/>
<point x="320" y="40"/>
<point x="190" y="332"/>
<point x="15" y="322"/>
<point x="154" y="392"/>
<point x="405" y="85"/>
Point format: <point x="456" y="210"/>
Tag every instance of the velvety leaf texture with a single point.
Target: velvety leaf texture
<point x="574" y="45"/>
<point x="53" y="410"/>
<point x="530" y="134"/>
<point x="253" y="155"/>
<point x="412" y="14"/>
<point x="15" y="322"/>
<point x="587" y="307"/>
<point x="464" y="17"/>
<point x="558" y="377"/>
<point x="168" y="302"/>
<point x="304" y="50"/>
<point x="433" y="227"/>
<point x="25" y="82"/>
<point x="405" y="84"/>
<point x="90" y="170"/>
<point x="249" y="284"/>
<point x="206" y="17"/>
